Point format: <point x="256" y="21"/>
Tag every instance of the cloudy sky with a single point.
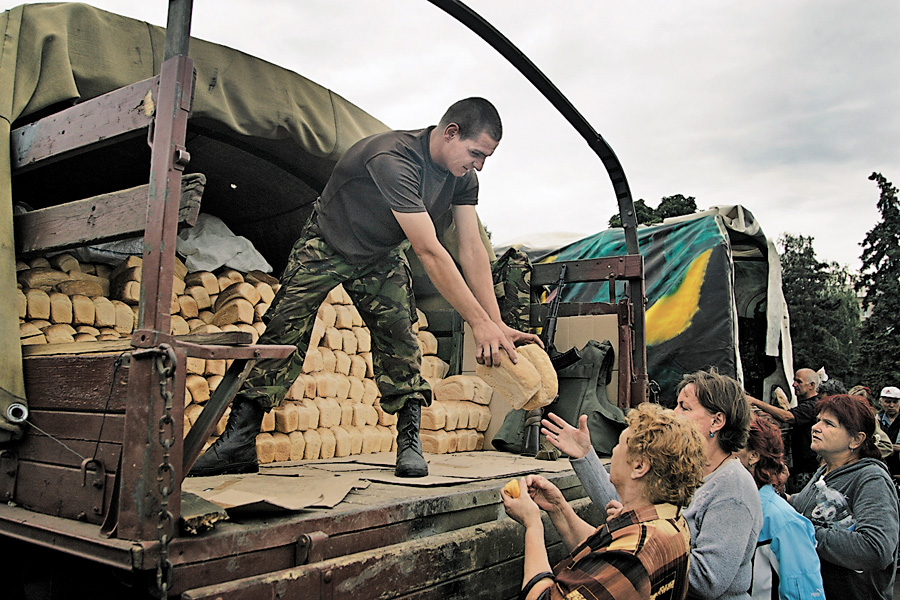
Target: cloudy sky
<point x="783" y="107"/>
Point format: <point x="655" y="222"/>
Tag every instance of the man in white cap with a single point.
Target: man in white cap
<point x="890" y="424"/>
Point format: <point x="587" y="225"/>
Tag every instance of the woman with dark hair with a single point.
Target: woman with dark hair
<point x="724" y="515"/>
<point x="786" y="559"/>
<point x="851" y="502"/>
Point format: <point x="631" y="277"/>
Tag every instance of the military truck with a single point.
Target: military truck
<point x="117" y="129"/>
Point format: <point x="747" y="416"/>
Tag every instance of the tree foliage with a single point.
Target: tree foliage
<point x="669" y="206"/>
<point x="823" y="309"/>
<point x="878" y="362"/>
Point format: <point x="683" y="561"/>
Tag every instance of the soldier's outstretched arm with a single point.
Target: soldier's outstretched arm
<point x="489" y="338"/>
<point x="476" y="267"/>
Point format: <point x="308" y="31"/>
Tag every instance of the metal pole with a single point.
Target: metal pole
<point x="178" y="28"/>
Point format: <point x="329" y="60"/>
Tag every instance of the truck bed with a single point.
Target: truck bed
<point x="442" y="536"/>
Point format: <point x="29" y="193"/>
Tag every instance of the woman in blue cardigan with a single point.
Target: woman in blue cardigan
<point x="786" y="558"/>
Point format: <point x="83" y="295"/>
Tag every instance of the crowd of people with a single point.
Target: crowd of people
<point x="727" y="496"/>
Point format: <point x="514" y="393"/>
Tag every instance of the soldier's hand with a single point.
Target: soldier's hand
<point x="490" y="341"/>
<point x="520" y="337"/>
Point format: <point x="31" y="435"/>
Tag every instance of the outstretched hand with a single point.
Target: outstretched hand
<point x="576" y="443"/>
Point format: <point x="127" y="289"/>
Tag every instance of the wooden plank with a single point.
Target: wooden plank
<point x="104" y="218"/>
<point x="89" y="427"/>
<point x="123" y="345"/>
<point x="76" y="383"/>
<point x="74" y="538"/>
<point x="42" y="449"/>
<point x="589" y="269"/>
<point x="95" y="122"/>
<point x="538" y="312"/>
<point x="413" y="568"/>
<point x="245" y="565"/>
<point x="199" y="515"/>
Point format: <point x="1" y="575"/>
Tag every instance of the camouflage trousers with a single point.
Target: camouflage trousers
<point x="381" y="292"/>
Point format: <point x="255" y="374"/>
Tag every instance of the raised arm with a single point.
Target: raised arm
<point x="785" y="416"/>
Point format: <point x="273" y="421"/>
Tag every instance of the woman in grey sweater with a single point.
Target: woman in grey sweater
<point x="851" y="502"/>
<point x="725" y="514"/>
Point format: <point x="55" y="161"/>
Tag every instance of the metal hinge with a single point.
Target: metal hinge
<point x="93" y="475"/>
<point x="310" y="548"/>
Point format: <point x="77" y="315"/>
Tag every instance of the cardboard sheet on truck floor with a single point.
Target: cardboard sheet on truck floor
<point x="300" y="485"/>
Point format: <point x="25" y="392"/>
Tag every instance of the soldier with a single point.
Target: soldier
<point x="384" y="196"/>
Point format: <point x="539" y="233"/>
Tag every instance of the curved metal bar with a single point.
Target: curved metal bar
<point x="601" y="148"/>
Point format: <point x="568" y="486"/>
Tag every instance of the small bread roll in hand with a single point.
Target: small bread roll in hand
<point x="512" y="488"/>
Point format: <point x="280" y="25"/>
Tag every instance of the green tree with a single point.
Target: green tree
<point x="878" y="362"/>
<point x="676" y="206"/>
<point x="669" y="206"/>
<point x="824" y="313"/>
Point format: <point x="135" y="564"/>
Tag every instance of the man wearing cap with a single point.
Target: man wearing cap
<point x="887" y="418"/>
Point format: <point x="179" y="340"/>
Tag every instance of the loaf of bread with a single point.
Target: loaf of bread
<point x="285" y="418"/>
<point x="455" y="387"/>
<point x="436" y="442"/>
<point x="265" y="448"/>
<point x="313" y="444"/>
<point x="328" y="443"/>
<point x="268" y="422"/>
<point x="282" y="446"/>
<point x="427" y="342"/>
<point x="298" y="445"/>
<point x="516" y="383"/>
<point x="434" y="368"/>
<point x="434" y="417"/>
<point x="549" y="382"/>
<point x="452" y="441"/>
<point x="512" y="488"/>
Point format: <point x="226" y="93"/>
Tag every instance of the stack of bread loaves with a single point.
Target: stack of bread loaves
<point x="61" y="300"/>
<point x="458" y="415"/>
<point x="332" y="409"/>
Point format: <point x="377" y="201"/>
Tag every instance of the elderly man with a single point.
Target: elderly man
<point x="890" y="424"/>
<point x="801" y="418"/>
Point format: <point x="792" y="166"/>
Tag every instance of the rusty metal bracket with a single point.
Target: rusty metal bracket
<point x="181" y="157"/>
<point x="9" y="470"/>
<point x="310" y="548"/>
<point x="148" y="338"/>
<point x="97" y="483"/>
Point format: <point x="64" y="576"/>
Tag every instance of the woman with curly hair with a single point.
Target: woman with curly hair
<point x="643" y="549"/>
<point x="725" y="515"/>
<point x="851" y="502"/>
<point x="786" y="558"/>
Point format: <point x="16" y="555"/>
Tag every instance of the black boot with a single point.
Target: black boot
<point x="235" y="450"/>
<point x="410" y="462"/>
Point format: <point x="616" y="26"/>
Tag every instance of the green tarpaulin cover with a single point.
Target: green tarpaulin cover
<point x="252" y="119"/>
<point x="714" y="299"/>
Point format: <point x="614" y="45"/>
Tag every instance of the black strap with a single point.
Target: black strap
<point x="533" y="581"/>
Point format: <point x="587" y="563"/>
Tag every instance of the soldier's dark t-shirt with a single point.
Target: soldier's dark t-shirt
<point x="386" y="172"/>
